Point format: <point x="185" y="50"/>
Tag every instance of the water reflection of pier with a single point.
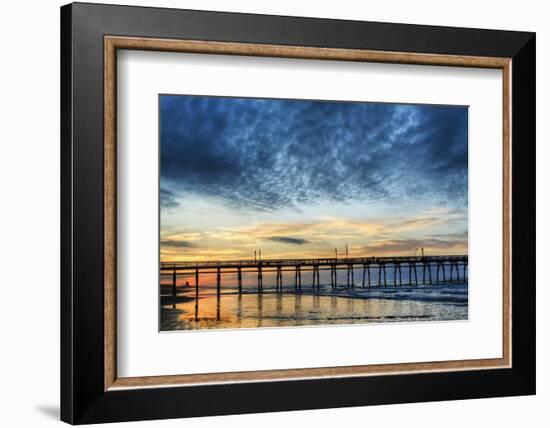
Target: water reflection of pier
<point x="448" y="270"/>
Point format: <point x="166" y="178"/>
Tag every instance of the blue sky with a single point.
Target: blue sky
<point x="297" y="177"/>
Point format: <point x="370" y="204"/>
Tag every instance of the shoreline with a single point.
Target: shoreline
<point x="451" y="294"/>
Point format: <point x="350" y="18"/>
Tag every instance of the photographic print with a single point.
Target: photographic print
<point x="286" y="212"/>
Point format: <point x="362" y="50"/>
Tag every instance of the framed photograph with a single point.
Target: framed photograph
<point x="266" y="213"/>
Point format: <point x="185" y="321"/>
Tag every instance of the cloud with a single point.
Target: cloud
<point x="168" y="199"/>
<point x="436" y="233"/>
<point x="267" y="154"/>
<point x="288" y="240"/>
<point x="459" y="235"/>
<point x="439" y="243"/>
<point x="171" y="243"/>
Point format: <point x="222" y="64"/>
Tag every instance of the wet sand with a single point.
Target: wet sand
<point x="270" y="309"/>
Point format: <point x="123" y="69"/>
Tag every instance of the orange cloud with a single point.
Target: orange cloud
<point x="318" y="239"/>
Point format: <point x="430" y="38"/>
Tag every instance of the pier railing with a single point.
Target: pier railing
<point x="189" y="265"/>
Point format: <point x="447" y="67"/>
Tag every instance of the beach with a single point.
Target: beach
<point x="326" y="306"/>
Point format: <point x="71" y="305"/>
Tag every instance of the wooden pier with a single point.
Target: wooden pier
<point x="448" y="270"/>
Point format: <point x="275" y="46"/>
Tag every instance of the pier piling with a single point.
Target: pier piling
<point x="423" y="273"/>
<point x="279" y="280"/>
<point x="313" y="278"/>
<point x="457" y="265"/>
<point x="218" y="281"/>
<point x="174" y="283"/>
<point x="240" y="279"/>
<point x="318" y="279"/>
<point x="368" y="274"/>
<point x="196" y="294"/>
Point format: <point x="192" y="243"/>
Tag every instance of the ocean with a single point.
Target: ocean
<point x="382" y="302"/>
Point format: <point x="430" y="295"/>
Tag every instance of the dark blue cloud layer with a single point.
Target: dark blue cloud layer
<point x="177" y="243"/>
<point x="270" y="154"/>
<point x="168" y="198"/>
<point x="288" y="240"/>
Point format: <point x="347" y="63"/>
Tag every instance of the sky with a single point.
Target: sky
<point x="300" y="178"/>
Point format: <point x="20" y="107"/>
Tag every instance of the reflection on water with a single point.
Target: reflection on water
<point x="269" y="309"/>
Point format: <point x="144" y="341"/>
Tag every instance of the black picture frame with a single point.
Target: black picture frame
<point x="83" y="398"/>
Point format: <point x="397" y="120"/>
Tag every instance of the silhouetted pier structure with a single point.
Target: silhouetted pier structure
<point x="420" y="269"/>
